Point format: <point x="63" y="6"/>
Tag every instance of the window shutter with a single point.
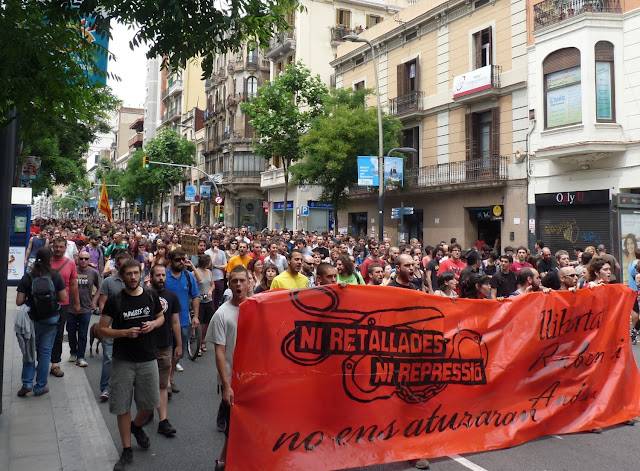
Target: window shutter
<point x="561" y="59"/>
<point x="490" y="36"/>
<point x="494" y="142"/>
<point x="477" y="42"/>
<point x="417" y="80"/>
<point x="604" y="51"/>
<point x="402" y="80"/>
<point x="347" y="18"/>
<point x="468" y="135"/>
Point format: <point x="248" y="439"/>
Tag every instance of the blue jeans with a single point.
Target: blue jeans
<point x="107" y="353"/>
<point x="186" y="335"/>
<point x="45" y="331"/>
<point x="78" y="328"/>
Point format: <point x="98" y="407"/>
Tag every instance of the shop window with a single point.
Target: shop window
<point x="373" y="20"/>
<point x="562" y="88"/>
<point x="483" y="48"/>
<point x="605" y="85"/>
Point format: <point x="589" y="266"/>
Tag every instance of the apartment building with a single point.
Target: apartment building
<point x="584" y="104"/>
<point x="152" y="99"/>
<point x="123" y="134"/>
<point x="228" y="150"/>
<point x="455" y="74"/>
<point x="313" y="39"/>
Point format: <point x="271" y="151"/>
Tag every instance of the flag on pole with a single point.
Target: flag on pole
<point x="103" y="204"/>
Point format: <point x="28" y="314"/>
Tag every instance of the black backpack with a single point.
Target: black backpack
<point x="44" y="298"/>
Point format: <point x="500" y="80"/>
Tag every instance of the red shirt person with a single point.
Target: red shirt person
<point x="521" y="260"/>
<point x="454" y="263"/>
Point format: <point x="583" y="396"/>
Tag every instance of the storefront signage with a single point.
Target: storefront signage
<point x="190" y="193"/>
<point x="493" y="213"/>
<point x="472" y="82"/>
<point x="319" y="204"/>
<point x="573" y="198"/>
<point x="279" y="205"/>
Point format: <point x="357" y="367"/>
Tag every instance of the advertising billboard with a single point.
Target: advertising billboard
<point x="368" y="171"/>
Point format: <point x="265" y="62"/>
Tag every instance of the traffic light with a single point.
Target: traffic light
<point x="145" y="161"/>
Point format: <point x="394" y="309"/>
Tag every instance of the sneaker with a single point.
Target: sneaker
<point x="422" y="464"/>
<point x="73" y="358"/>
<point x="174" y="388"/>
<point x="166" y="429"/>
<point x="82" y="363"/>
<point x="179" y="367"/>
<point x="57" y="372"/>
<point x="141" y="436"/>
<point x="23" y="391"/>
<point x="40" y="392"/>
<point x="126" y="458"/>
<point x="104" y="396"/>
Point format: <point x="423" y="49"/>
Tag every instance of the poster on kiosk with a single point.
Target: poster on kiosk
<point x="19" y="233"/>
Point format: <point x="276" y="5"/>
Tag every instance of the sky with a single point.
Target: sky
<point x="130" y="66"/>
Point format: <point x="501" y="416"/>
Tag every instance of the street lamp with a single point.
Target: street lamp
<point x="357" y="39"/>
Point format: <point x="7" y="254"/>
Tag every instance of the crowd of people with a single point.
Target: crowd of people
<point x="150" y="292"/>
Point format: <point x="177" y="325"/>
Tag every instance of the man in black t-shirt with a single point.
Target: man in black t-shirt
<point x="404" y="272"/>
<point x="130" y="318"/>
<point x="503" y="283"/>
<point x="164" y="342"/>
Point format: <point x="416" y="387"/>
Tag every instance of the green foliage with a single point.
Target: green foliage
<point x="44" y="77"/>
<point x="331" y="147"/>
<point x="284" y="110"/>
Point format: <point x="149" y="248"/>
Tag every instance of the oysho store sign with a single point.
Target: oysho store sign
<point x="573" y="198"/>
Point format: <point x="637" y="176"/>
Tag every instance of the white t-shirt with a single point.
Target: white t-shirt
<point x="219" y="258"/>
<point x="223" y="330"/>
<point x="72" y="250"/>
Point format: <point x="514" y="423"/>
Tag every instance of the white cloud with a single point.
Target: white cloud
<point x="130" y="66"/>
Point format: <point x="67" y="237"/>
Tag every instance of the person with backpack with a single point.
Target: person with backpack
<point x="66" y="268"/>
<point x="130" y="318"/>
<point x="42" y="290"/>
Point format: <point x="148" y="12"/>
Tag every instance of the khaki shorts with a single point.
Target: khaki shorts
<point x="133" y="380"/>
<point x="164" y="356"/>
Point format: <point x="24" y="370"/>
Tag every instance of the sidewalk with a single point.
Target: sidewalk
<point x="62" y="430"/>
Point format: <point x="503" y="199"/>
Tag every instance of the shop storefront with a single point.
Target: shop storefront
<point x="627" y="230"/>
<point x="569" y="219"/>
<point x="320" y="217"/>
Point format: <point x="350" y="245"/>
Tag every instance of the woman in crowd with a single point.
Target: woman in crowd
<point x="629" y="247"/>
<point x="476" y="286"/>
<point x="160" y="257"/>
<point x="346" y="271"/>
<point x="232" y="249"/>
<point x="599" y="272"/>
<point x="447" y="285"/>
<point x="270" y="272"/>
<point x="45" y="316"/>
<point x="206" y="288"/>
<point x="387" y="274"/>
<point x="418" y="272"/>
<point x="256" y="269"/>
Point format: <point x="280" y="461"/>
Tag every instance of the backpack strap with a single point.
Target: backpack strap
<point x="61" y="266"/>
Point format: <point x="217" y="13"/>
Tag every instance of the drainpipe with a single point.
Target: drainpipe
<point x="531" y="208"/>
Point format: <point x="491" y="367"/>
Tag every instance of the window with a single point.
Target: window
<point x="343" y="18"/>
<point x="359" y="85"/>
<point x="252" y="87"/>
<point x="482" y="44"/>
<point x="605" y="86"/>
<point x="408" y="77"/>
<point x="562" y="88"/>
<point x="482" y="132"/>
<point x="373" y="20"/>
<point x="480" y="3"/>
<point x="252" y="56"/>
<point x="411" y="138"/>
<point x="359" y="60"/>
<point x="411" y="35"/>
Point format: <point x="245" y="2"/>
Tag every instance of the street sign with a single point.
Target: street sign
<point x="205" y="191"/>
<point x="304" y="211"/>
<point x="219" y="200"/>
<point x="190" y="193"/>
<point x="397" y="212"/>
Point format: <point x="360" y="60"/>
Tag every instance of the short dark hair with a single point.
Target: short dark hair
<point x="444" y="278"/>
<point x="122" y="256"/>
<point x="130" y="263"/>
<point x="508" y="257"/>
<point x="295" y="251"/>
<point x="455" y="245"/>
<point x="585" y="258"/>
<point x="522" y="247"/>
<point x="238" y="269"/>
<point x="373" y="266"/>
<point x="203" y="260"/>
<point x="322" y="268"/>
<point x="523" y="275"/>
<point x="176" y="254"/>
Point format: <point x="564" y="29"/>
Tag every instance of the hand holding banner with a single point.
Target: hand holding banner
<point x="336" y="384"/>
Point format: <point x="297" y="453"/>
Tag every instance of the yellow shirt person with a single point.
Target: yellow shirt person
<point x="243" y="258"/>
<point x="291" y="278"/>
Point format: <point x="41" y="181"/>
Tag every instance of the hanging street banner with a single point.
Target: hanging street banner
<point x="336" y="385"/>
<point x="368" y="171"/>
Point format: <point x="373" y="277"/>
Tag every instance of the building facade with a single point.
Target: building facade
<point x="313" y="39"/>
<point x="228" y="150"/>
<point x="584" y="102"/>
<point x="152" y="99"/>
<point x="455" y="74"/>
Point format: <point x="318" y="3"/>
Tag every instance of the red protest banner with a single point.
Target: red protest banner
<point x="331" y="378"/>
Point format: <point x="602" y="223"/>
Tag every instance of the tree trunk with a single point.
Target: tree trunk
<point x="161" y="205"/>
<point x="285" y="165"/>
<point x="335" y="216"/>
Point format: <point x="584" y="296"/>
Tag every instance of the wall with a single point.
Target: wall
<point x="193" y="95"/>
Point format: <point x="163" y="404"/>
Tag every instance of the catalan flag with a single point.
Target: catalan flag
<point x="103" y="205"/>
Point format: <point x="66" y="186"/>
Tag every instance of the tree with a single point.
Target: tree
<point x="331" y="147"/>
<point x="282" y="113"/>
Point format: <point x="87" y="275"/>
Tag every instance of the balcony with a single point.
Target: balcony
<point x="477" y="85"/>
<point x="171" y="115"/>
<point x="281" y="44"/>
<point x="173" y="86"/>
<point x="551" y="12"/>
<point x="406" y="104"/>
<point x="252" y="62"/>
<point x="272" y="178"/>
<point x="478" y="172"/>
<point x="338" y="33"/>
<point x="242" y="177"/>
<point x="136" y="140"/>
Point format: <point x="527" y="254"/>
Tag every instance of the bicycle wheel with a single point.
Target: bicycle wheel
<point x="195" y="341"/>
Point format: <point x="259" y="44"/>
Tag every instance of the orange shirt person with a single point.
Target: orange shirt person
<point x="243" y="258"/>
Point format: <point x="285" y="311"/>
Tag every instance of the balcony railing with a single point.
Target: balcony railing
<point x="550" y="12"/>
<point x="228" y="175"/>
<point x="136" y="140"/>
<point x="171" y="114"/>
<point x="338" y="32"/>
<point x="252" y="62"/>
<point x="173" y="86"/>
<point x="406" y="103"/>
<point x="281" y="44"/>
<point x="488" y="169"/>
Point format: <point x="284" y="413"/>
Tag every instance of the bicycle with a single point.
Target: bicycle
<point x="195" y="341"/>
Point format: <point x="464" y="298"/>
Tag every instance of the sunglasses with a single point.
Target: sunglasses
<point x="83" y="258"/>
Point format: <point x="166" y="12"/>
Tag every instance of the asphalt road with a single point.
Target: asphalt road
<point x="197" y="443"/>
